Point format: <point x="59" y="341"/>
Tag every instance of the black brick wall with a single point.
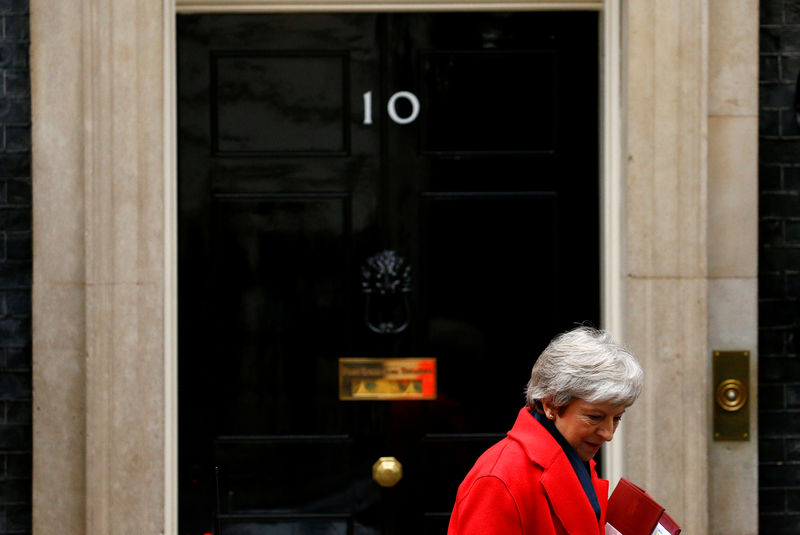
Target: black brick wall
<point x="15" y="269"/>
<point x="779" y="270"/>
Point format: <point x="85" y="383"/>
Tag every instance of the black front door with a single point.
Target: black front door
<point x="372" y="186"/>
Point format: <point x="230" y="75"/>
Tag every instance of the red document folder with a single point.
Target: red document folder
<point x="631" y="511"/>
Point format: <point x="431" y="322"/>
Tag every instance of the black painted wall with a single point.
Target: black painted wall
<point x="779" y="270"/>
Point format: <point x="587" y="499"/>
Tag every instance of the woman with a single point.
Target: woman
<point x="540" y="479"/>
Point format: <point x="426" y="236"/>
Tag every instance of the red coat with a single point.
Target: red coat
<point x="525" y="485"/>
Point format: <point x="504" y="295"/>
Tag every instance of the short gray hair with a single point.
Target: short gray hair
<point x="587" y="364"/>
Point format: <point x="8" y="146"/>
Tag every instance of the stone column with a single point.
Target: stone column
<point x="691" y="125"/>
<point x="665" y="87"/>
<point x="59" y="275"/>
<point x="733" y="245"/>
<point x="99" y="95"/>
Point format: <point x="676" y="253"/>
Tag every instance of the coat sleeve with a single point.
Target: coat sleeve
<point x="487" y="508"/>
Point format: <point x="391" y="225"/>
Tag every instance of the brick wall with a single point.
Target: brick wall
<point x="779" y="269"/>
<point x="15" y="270"/>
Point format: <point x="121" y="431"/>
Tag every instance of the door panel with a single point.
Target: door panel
<point x="293" y="172"/>
<point x="511" y="115"/>
<point x="304" y="91"/>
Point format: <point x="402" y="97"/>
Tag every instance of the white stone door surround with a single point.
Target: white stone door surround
<point x="678" y="230"/>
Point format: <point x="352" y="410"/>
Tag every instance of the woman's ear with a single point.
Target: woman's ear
<point x="549" y="409"/>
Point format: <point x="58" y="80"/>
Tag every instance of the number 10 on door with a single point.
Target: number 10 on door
<point x="391" y="107"/>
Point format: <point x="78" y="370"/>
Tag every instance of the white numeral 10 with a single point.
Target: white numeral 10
<point x="391" y="107"/>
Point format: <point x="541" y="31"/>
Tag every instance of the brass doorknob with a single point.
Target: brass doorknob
<point x="387" y="471"/>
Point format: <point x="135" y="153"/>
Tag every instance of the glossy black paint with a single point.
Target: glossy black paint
<point x="490" y="195"/>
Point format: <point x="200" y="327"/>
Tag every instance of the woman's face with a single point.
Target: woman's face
<point x="585" y="425"/>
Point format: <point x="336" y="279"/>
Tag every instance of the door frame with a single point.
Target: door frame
<point x="612" y="192"/>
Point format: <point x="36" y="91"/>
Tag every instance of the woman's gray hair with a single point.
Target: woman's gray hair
<point x="588" y="364"/>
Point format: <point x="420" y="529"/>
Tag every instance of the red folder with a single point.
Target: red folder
<point x="631" y="511"/>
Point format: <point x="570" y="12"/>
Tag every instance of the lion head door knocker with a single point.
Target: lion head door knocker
<point x="386" y="285"/>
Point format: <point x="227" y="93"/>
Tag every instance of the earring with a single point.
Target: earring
<point x="550" y="415"/>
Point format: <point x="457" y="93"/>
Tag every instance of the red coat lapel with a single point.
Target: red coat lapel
<point x="567" y="498"/>
<point x="563" y="489"/>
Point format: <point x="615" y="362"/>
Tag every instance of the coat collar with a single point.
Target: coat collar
<point x="558" y="478"/>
